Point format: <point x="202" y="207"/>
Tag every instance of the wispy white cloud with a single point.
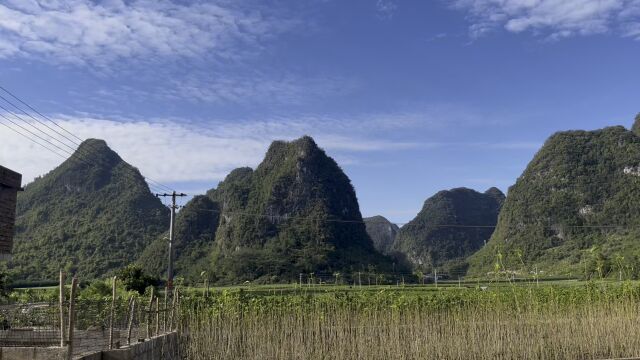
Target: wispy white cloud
<point x="99" y="33"/>
<point x="256" y="89"/>
<point x="553" y="19"/>
<point x="175" y="150"/>
<point x="182" y="152"/>
<point x="386" y="8"/>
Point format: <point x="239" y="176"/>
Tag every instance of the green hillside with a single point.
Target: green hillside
<point x="89" y="217"/>
<point x="452" y="225"/>
<point x="296" y="213"/>
<point x="575" y="210"/>
<point x="195" y="229"/>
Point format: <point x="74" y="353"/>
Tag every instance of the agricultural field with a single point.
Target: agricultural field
<point x="558" y="320"/>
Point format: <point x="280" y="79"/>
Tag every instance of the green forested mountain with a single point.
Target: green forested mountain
<point x="451" y="226"/>
<point x="195" y="231"/>
<point x="574" y="210"/>
<point x="296" y="213"/>
<point x="382" y="232"/>
<point x="90" y="217"/>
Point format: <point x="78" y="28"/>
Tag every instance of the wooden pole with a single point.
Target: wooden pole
<point x="72" y="316"/>
<point x="436" y="276"/>
<point x="132" y="308"/>
<point x="111" y="314"/>
<point x="164" y="313"/>
<point x="62" y="320"/>
<point x="173" y="309"/>
<point x="157" y="316"/>
<point x="149" y="315"/>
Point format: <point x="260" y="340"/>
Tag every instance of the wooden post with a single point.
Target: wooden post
<point x="157" y="316"/>
<point x="132" y="309"/>
<point x="435" y="276"/>
<point x="63" y="323"/>
<point x="164" y="313"/>
<point x="173" y="309"/>
<point x="111" y="314"/>
<point x="72" y="316"/>
<point x="149" y="315"/>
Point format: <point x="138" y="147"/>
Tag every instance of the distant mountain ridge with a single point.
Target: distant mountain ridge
<point x="452" y="225"/>
<point x="382" y="232"/>
<point x="92" y="214"/>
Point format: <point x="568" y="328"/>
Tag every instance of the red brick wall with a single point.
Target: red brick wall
<point x="10" y="182"/>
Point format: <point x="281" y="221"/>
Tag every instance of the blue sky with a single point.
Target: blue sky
<point x="410" y="97"/>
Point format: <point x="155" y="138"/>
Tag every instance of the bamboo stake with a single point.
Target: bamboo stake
<point x="164" y="314"/>
<point x="157" y="316"/>
<point x="62" y="320"/>
<point x="149" y="315"/>
<point x="173" y="308"/>
<point x="111" y="314"/>
<point x="72" y="315"/>
<point x="132" y="308"/>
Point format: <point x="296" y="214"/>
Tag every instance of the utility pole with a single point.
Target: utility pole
<point x="173" y="207"/>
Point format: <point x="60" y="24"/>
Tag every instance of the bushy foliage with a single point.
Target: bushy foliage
<point x="134" y="278"/>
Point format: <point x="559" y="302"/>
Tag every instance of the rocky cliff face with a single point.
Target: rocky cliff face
<point x="382" y="232"/>
<point x="578" y="199"/>
<point x="90" y="216"/>
<point x="636" y="126"/>
<point x="452" y="225"/>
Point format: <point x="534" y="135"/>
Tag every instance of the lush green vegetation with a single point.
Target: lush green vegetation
<point x="134" y="278"/>
<point x="90" y="217"/>
<point x="555" y="319"/>
<point x="590" y="320"/>
<point x="443" y="233"/>
<point x="574" y="211"/>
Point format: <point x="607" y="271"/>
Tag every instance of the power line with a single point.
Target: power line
<point x="37" y="112"/>
<point x="79" y="152"/>
<point x="33" y="126"/>
<point x="28" y="138"/>
<point x="461" y="226"/>
<point x="36" y="135"/>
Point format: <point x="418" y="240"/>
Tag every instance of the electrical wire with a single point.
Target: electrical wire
<point x="79" y="152"/>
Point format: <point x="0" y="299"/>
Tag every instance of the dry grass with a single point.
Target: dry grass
<point x="606" y="329"/>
